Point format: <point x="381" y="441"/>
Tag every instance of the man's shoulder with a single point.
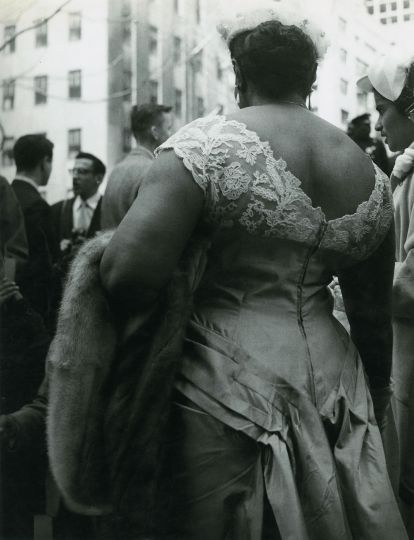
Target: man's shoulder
<point x="132" y="167"/>
<point x="27" y="195"/>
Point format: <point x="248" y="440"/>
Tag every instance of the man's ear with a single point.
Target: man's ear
<point x="154" y="133"/>
<point x="44" y="162"/>
<point x="99" y="178"/>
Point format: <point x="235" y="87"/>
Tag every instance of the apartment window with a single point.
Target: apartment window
<point x="8" y="94"/>
<point x="361" y="67"/>
<point x="127" y="83"/>
<point x="362" y="99"/>
<point x="393" y="6"/>
<point x="343" y="55"/>
<point x="153" y="39"/>
<point x="198" y="62"/>
<point x="406" y="17"/>
<point x="126" y="8"/>
<point x="344" y="116"/>
<point x="9" y="32"/>
<point x="394" y="19"/>
<point x="75" y="85"/>
<point x="370" y="10"/>
<point x="406" y="4"/>
<point x="7" y="152"/>
<point x="219" y="70"/>
<point x="383" y="20"/>
<point x="126" y="31"/>
<point x="200" y="106"/>
<point x="177" y="49"/>
<point x="342" y="24"/>
<point x="198" y="11"/>
<point x="383" y="8"/>
<point x="176" y="6"/>
<point x="74" y="142"/>
<point x="153" y="91"/>
<point x="75" y="26"/>
<point x="41" y="34"/>
<point x="126" y="140"/>
<point x="343" y="85"/>
<point x="178" y="102"/>
<point x="40" y="86"/>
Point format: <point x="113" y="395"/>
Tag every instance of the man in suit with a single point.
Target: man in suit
<point x="33" y="155"/>
<point x="79" y="218"/>
<point x="150" y="125"/>
<point x="13" y="241"/>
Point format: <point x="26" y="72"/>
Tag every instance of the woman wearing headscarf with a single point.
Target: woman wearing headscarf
<point x="391" y="79"/>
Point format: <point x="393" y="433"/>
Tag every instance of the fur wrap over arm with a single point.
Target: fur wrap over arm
<point x="110" y="388"/>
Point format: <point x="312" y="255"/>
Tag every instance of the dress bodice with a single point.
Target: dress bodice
<point x="272" y="255"/>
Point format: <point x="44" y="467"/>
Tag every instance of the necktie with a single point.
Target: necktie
<point x="83" y="217"/>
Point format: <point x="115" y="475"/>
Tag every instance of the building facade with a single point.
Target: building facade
<point x="397" y="18"/>
<point x="391" y="11"/>
<point x="356" y="40"/>
<point x="75" y="77"/>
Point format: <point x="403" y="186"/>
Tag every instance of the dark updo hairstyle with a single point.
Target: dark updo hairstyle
<point x="277" y="59"/>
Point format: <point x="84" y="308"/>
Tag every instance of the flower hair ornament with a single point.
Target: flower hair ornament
<point x="241" y="17"/>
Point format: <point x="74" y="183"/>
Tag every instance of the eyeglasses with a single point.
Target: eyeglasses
<point x="80" y="171"/>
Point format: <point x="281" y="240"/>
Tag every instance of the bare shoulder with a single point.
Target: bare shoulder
<point x="341" y="169"/>
<point x="337" y="152"/>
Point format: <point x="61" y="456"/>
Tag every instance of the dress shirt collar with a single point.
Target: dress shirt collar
<point x="92" y="202"/>
<point x="27" y="180"/>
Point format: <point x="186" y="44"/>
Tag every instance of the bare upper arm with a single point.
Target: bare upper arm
<point x="149" y="241"/>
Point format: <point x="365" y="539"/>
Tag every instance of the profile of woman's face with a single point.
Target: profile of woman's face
<point x="396" y="128"/>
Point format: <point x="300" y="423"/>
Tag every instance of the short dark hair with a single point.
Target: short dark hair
<point x="360" y="119"/>
<point x="276" y="58"/>
<point x="29" y="150"/>
<point x="98" y="166"/>
<point x="145" y="116"/>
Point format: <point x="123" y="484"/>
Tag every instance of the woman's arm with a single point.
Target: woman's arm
<point x="148" y="243"/>
<point x="367" y="292"/>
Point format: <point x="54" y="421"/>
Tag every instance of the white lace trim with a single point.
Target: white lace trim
<point x="245" y="185"/>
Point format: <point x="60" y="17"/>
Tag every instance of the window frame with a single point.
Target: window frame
<point x="9" y="94"/>
<point x="7" y="159"/>
<point x="75" y="31"/>
<point x="40" y="96"/>
<point x="41" y="34"/>
<point x="11" y="46"/>
<point x="74" y="146"/>
<point x="74" y="86"/>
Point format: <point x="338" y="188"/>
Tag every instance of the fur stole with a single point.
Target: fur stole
<point x="110" y="389"/>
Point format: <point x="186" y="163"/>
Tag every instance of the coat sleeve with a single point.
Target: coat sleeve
<point x="403" y="288"/>
<point x="12" y="230"/>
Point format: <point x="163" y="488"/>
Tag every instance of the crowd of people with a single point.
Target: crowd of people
<point x="220" y="345"/>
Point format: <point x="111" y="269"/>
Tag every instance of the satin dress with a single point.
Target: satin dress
<point x="277" y="414"/>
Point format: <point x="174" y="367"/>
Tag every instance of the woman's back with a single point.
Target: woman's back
<point x="333" y="171"/>
<point x="273" y="253"/>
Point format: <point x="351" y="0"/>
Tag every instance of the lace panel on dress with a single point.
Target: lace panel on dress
<point x="246" y="186"/>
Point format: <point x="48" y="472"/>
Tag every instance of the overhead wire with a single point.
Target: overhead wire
<point x="33" y="26"/>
